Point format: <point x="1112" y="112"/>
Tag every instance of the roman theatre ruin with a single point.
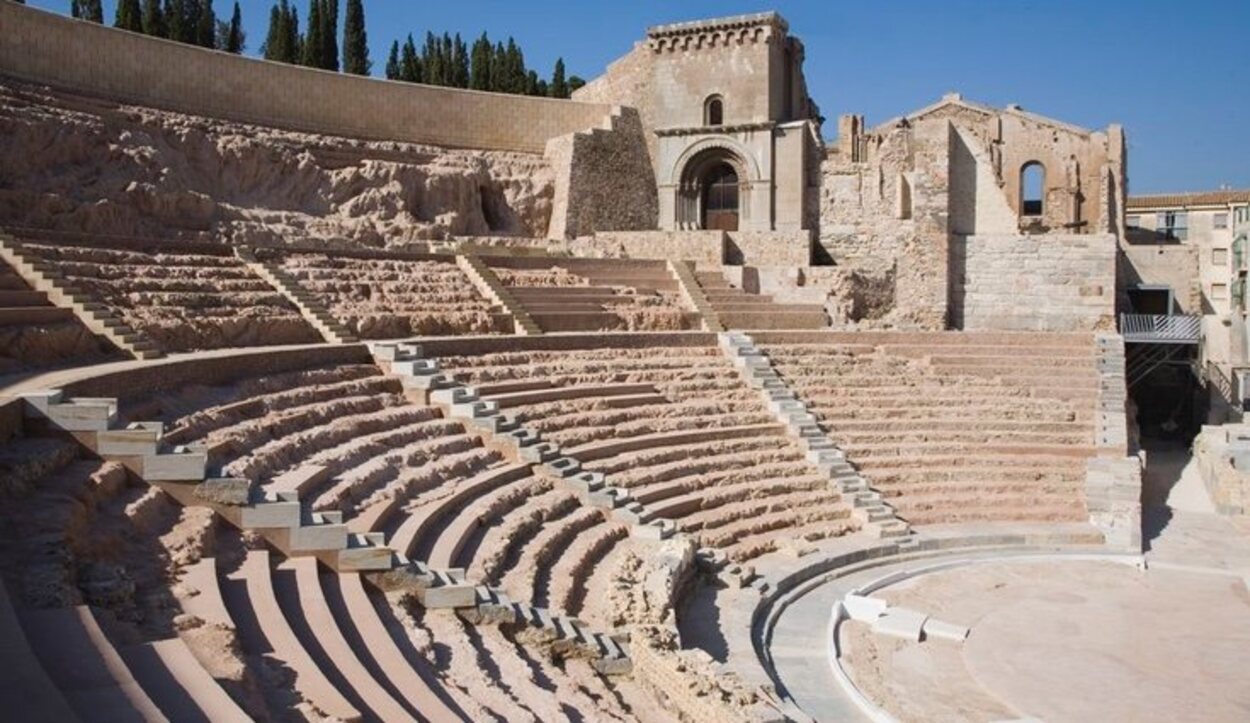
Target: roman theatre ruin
<point x="332" y="398"/>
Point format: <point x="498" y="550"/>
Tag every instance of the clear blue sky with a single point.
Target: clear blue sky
<point x="1176" y="74"/>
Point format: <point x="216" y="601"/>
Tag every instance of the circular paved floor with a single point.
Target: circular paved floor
<point x="1065" y="640"/>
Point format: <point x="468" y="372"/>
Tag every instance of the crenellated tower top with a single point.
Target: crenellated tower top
<point x="717" y="32"/>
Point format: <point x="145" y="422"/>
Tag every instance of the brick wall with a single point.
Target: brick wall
<point x="1052" y="282"/>
<point x="76" y="55"/>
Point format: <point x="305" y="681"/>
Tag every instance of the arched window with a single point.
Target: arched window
<point x="1032" y="189"/>
<point x="714" y="111"/>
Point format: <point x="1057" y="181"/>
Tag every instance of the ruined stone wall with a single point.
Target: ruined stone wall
<point x="1083" y="170"/>
<point x="1223" y="456"/>
<point x="1051" y="282"/>
<point x="885" y="214"/>
<point x="47" y="48"/>
<point x="604" y="180"/>
<point x="691" y="683"/>
<point x="863" y="221"/>
<point x="978" y="204"/>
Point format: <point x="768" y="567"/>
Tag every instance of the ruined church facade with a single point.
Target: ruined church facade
<point x="958" y="208"/>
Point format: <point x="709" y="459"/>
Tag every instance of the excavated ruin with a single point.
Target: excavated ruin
<point x="75" y="163"/>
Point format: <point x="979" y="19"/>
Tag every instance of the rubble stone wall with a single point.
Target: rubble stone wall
<point x="604" y="180"/>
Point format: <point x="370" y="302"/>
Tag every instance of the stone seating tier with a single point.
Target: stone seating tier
<point x="182" y="301"/>
<point x="955" y="428"/>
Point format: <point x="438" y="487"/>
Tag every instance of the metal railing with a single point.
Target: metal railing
<point x="1161" y="329"/>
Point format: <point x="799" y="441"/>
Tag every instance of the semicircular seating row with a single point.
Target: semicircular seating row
<point x="307" y="642"/>
<point x="675" y="426"/>
<point x="950" y="428"/>
<point x="955" y="428"/>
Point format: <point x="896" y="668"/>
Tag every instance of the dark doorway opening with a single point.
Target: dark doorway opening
<point x="1147" y="299"/>
<point x="720" y="198"/>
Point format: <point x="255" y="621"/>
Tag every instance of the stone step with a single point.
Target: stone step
<point x="34" y="315"/>
<point x="12" y="298"/>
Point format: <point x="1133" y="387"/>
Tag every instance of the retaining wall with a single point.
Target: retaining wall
<point x="51" y="49"/>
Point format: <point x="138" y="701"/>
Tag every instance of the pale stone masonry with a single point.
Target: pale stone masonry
<point x="1113" y="481"/>
<point x="1223" y="456"/>
<point x="1052" y="282"/>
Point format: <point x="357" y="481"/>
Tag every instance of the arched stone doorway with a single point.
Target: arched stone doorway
<point x="713" y="191"/>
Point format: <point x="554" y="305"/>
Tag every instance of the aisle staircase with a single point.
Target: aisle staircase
<point x="43" y="278"/>
<point x="330" y="328"/>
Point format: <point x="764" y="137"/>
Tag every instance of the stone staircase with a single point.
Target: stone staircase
<point x="489" y="285"/>
<point x="43" y="278"/>
<point x="19" y="305"/>
<point x="566" y="635"/>
<point x="276" y="513"/>
<point x="463" y="403"/>
<point x="693" y="293"/>
<point x="738" y="309"/>
<point x="428" y="384"/>
<point x="868" y="506"/>
<point x="330" y="328"/>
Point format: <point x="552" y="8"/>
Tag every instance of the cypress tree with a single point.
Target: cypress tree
<point x="446" y="59"/>
<point x="459" y="63"/>
<point x="393" y="71"/>
<point x="129" y="16"/>
<point x="480" y="72"/>
<point x="294" y="41"/>
<point x="330" y="35"/>
<point x="154" y="19"/>
<point x="499" y="69"/>
<point x="531" y="83"/>
<point x="575" y="82"/>
<point x="356" y="43"/>
<point x="205" y="25"/>
<point x="235" y="37"/>
<point x="559" y="86"/>
<point x="271" y="49"/>
<point x="175" y="20"/>
<point x="313" y="48"/>
<point x="431" y="60"/>
<point x="92" y="10"/>
<point x="410" y="65"/>
<point x="516" y="68"/>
